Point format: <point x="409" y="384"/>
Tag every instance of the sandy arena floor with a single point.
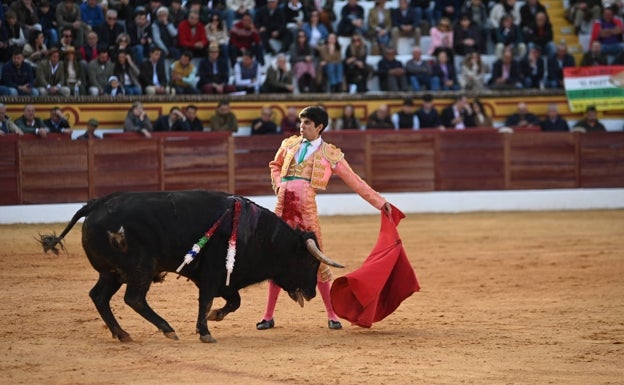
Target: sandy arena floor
<point x="509" y="298"/>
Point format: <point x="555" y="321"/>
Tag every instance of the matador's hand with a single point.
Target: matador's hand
<point x="387" y="209"/>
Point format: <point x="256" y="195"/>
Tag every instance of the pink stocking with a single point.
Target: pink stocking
<point x="324" y="288"/>
<point x="274" y="291"/>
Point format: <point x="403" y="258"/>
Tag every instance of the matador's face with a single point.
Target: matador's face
<point x="308" y="130"/>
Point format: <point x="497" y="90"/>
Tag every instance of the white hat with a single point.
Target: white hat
<point x="112" y="78"/>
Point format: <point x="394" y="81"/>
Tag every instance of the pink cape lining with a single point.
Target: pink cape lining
<point x="386" y="278"/>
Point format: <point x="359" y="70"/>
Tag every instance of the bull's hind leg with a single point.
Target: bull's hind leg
<point x="107" y="285"/>
<point x="232" y="303"/>
<point x="135" y="298"/>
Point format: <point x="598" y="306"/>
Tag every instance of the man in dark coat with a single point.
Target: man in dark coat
<point x="152" y="73"/>
<point x="554" y="121"/>
<point x="175" y="121"/>
<point x="271" y="24"/>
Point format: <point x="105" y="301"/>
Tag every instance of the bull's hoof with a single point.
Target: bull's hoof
<point x="172" y="335"/>
<point x="215" y="315"/>
<point x="207" y="339"/>
<point x="122" y="336"/>
<point x="125" y="338"/>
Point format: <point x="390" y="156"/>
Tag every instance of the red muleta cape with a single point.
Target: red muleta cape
<point x="372" y="292"/>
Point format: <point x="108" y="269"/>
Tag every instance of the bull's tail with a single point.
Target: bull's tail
<point x="52" y="242"/>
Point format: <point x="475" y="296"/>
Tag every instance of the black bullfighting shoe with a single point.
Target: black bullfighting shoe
<point x="335" y="325"/>
<point x="264" y="324"/>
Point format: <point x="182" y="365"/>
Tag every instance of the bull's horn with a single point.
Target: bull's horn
<point x="318" y="254"/>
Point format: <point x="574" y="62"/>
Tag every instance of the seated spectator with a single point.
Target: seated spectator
<point x="442" y="38"/>
<point x="405" y="24"/>
<point x="380" y="119"/>
<point x="99" y="71"/>
<point x="17" y="77"/>
<point x="109" y="31"/>
<point x="468" y="37"/>
<point x="303" y="62"/>
<point x="29" y="123"/>
<point x="556" y="64"/>
<point x="89" y="50"/>
<point x="271" y="23"/>
<point x="138" y="121"/>
<point x="348" y="120"/>
<point x="245" y="37"/>
<point x="508" y="35"/>
<point x="264" y="124"/>
<point x="522" y="117"/>
<point x="26" y="11"/>
<point x="184" y="75"/>
<point x="114" y="87"/>
<point x="458" y="115"/>
<point x="424" y="14"/>
<point x="315" y="31"/>
<point x="139" y="31"/>
<point x="247" y="74"/>
<point x="14" y="33"/>
<point x="192" y="35"/>
<point x="392" y="76"/>
<point x="92" y="125"/>
<point x="165" y="34"/>
<point x="582" y="13"/>
<point x="69" y="18"/>
<point x="379" y="27"/>
<point x="75" y="73"/>
<point x="428" y="115"/>
<point x="152" y="73"/>
<point x="472" y="74"/>
<point x="290" y="122"/>
<point x="223" y="119"/>
<point x="351" y="20"/>
<point x="444" y="75"/>
<point x="195" y="124"/>
<point x="57" y="123"/>
<point x="174" y="121"/>
<point x="532" y="67"/>
<point x="502" y="8"/>
<point x="50" y="78"/>
<point x="122" y="43"/>
<point x="238" y="9"/>
<point x="67" y="40"/>
<point x="35" y="49"/>
<point x="92" y="13"/>
<point x="279" y="77"/>
<point x="214" y="73"/>
<point x="477" y="11"/>
<point x="594" y="56"/>
<point x="128" y="73"/>
<point x="506" y="72"/>
<point x="480" y="116"/>
<point x="406" y="117"/>
<point x="589" y="123"/>
<point x="355" y="67"/>
<point x="539" y="33"/>
<point x="330" y="63"/>
<point x="294" y="15"/>
<point x="446" y="9"/>
<point x="529" y="11"/>
<point x="608" y="31"/>
<point x="418" y="71"/>
<point x="6" y="125"/>
<point x="553" y="121"/>
<point x="217" y="33"/>
<point x="47" y="20"/>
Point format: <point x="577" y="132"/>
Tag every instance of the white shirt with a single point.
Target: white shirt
<point x="314" y="145"/>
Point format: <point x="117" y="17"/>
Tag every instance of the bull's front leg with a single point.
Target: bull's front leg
<point x="135" y="298"/>
<point x="205" y="303"/>
<point x="232" y="303"/>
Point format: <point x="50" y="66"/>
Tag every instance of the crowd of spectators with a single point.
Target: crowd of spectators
<point x="135" y="47"/>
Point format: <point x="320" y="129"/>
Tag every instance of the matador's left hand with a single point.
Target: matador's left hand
<point x="387" y="209"/>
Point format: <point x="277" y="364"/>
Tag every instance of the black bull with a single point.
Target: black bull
<point x="135" y="238"/>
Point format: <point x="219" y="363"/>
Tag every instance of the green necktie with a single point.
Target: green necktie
<point x="304" y="149"/>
